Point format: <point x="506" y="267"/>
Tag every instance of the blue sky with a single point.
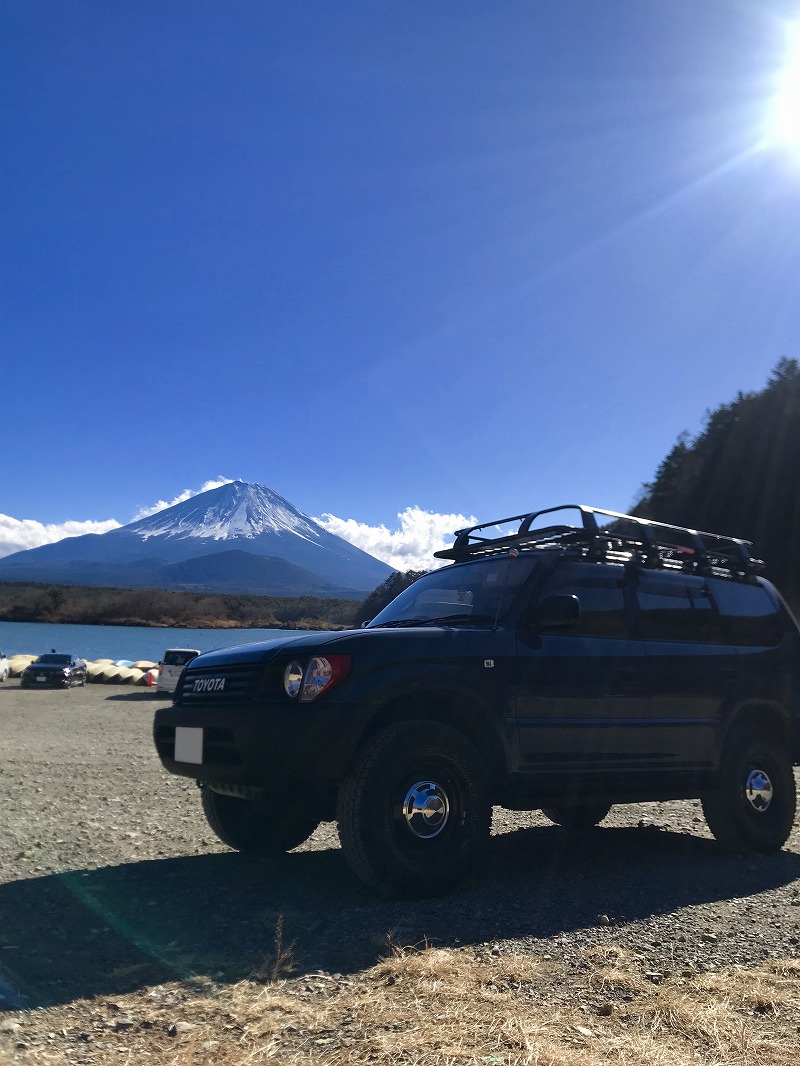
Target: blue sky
<point x="460" y="258"/>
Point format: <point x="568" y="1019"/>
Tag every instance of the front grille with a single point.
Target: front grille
<point x="223" y="684"/>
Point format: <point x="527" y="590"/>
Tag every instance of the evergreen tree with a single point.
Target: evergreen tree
<point x="385" y="592"/>
<point x="741" y="476"/>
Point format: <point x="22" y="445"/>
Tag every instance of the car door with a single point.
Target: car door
<point x="690" y="670"/>
<point x="581" y="691"/>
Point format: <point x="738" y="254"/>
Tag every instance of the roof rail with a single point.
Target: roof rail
<point x="611" y="536"/>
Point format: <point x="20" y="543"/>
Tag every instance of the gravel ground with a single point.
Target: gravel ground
<point x="111" y="881"/>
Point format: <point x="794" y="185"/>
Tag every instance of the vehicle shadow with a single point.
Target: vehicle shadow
<point x="120" y="928"/>
<point x="146" y="695"/>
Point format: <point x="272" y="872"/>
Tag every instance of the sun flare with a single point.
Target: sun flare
<point x="784" y="118"/>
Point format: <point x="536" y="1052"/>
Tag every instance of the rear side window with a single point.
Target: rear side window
<point x="601" y="597"/>
<point x="178" y="658"/>
<point x="676" y="609"/>
<point x="749" y="615"/>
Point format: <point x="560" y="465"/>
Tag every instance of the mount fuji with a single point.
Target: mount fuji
<point x="236" y="538"/>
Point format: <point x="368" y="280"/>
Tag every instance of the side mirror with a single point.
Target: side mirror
<point x="557" y="612"/>
<point x="365" y="623"/>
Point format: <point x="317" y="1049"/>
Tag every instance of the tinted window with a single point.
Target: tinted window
<point x="601" y="597"/>
<point x="55" y="660"/>
<point x="749" y="617"/>
<point x="676" y="609"/>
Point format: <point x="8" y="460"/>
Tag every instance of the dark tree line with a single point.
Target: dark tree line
<point x="20" y="602"/>
<point x="741" y="476"/>
<point x="88" y="605"/>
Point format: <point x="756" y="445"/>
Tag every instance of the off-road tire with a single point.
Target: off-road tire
<point x="578" y="817"/>
<point x="740" y="818"/>
<point x="253" y="827"/>
<point x="414" y="813"/>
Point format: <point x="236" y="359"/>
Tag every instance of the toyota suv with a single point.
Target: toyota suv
<point x="566" y="660"/>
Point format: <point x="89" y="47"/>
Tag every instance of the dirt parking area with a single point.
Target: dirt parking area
<point x="112" y="885"/>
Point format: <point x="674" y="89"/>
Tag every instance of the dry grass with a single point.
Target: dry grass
<point x="435" y="1007"/>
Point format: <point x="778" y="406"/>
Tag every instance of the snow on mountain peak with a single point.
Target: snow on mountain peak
<point x="229" y="512"/>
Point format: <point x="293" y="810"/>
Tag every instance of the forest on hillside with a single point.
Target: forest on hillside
<point x="740" y="476"/>
<point x="158" y="607"/>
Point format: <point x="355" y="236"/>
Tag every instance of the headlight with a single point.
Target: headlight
<point x="320" y="674"/>
<point x="293" y="679"/>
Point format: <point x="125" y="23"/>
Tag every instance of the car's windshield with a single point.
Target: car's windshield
<point x="54" y="660"/>
<point x="476" y="593"/>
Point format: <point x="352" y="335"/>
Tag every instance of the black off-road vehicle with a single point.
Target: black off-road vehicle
<point x="583" y="658"/>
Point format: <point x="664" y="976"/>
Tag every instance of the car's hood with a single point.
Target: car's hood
<point x="263" y="650"/>
<point x="349" y="641"/>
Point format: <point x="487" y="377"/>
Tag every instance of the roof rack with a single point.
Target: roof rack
<point x="612" y="537"/>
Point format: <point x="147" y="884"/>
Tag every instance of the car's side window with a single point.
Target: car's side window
<point x="675" y="608"/>
<point x="601" y="596"/>
<point x="749" y="615"/>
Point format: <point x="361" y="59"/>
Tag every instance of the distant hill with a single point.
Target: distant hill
<point x="243" y="572"/>
<point x="741" y="476"/>
<point x="266" y="547"/>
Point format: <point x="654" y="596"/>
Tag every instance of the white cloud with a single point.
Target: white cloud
<point x="17" y="534"/>
<point x="410" y="547"/>
<point x="187" y="494"/>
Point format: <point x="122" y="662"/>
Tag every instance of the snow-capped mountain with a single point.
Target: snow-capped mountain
<point x="232" y="511"/>
<point x="251" y="520"/>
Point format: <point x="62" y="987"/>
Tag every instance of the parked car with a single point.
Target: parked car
<point x="169" y="669"/>
<point x="583" y="660"/>
<point x="5" y="669"/>
<point x="54" y="668"/>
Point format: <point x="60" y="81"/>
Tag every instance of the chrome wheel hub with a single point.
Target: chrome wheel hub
<point x="758" y="790"/>
<point x="426" y="809"/>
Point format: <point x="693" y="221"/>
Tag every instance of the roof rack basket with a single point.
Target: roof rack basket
<point x="612" y="537"/>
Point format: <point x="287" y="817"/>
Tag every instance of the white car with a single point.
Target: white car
<point x="5" y="669"/>
<point x="169" y="669"/>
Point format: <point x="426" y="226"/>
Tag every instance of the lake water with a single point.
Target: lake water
<point x="120" y="642"/>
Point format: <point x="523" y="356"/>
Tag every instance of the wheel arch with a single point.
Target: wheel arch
<point x="463" y="712"/>
<point x="760" y="715"/>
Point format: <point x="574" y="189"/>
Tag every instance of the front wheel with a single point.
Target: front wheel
<point x="414" y="813"/>
<point x="753" y="806"/>
<point x="579" y="816"/>
<point x="256" y="827"/>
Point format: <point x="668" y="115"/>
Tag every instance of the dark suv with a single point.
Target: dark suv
<point x="583" y="659"/>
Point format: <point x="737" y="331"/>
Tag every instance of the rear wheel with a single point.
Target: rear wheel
<point x="753" y="807"/>
<point x="414" y="813"/>
<point x="579" y="816"/>
<point x="256" y="827"/>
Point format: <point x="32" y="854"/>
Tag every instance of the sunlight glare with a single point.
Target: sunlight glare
<point x="785" y="111"/>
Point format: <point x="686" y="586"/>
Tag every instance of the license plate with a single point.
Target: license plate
<point x="188" y="744"/>
<point x="40" y="677"/>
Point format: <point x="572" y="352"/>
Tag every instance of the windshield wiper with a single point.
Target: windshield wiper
<point x="443" y="620"/>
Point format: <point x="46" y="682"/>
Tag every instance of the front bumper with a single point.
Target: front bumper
<point x="50" y="681"/>
<point x="263" y="745"/>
